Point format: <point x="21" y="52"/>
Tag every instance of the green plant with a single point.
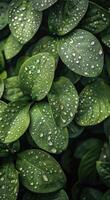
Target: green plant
<point x="54" y="100"/>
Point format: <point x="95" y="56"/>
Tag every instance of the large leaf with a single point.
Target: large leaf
<point x="82" y="53"/>
<point x="40" y="172"/>
<point x="3" y="14"/>
<point x="65" y="15"/>
<point x="91" y="194"/>
<point x="106" y="196"/>
<point x="96" y="19"/>
<point x="36" y="75"/>
<point x="47" y="44"/>
<point x="43" y="4"/>
<point x="63" y="99"/>
<point x="12" y="47"/>
<point x="44" y="131"/>
<point x="9" y="182"/>
<point x="12" y="91"/>
<point x="94" y="104"/>
<point x="103" y="169"/>
<point x="14" y="121"/>
<point x="24" y="20"/>
<point x="87" y="168"/>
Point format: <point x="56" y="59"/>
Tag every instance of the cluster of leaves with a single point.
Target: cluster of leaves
<point x="54" y="100"/>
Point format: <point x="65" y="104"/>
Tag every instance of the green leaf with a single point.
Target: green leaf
<point x="103" y="169"/>
<point x="1" y="87"/>
<point x="47" y="44"/>
<point x="66" y="15"/>
<point x="87" y="168"/>
<point x="94" y="104"/>
<point x="12" y="91"/>
<point x="61" y="195"/>
<point x="24" y="20"/>
<point x="74" y="130"/>
<point x="44" y="131"/>
<point x="63" y="99"/>
<point x="82" y="53"/>
<point x="3" y="14"/>
<point x="85" y="146"/>
<point x="12" y="47"/>
<point x="36" y="75"/>
<point x="43" y="4"/>
<point x="9" y="182"/>
<point x="96" y="19"/>
<point x="105" y="36"/>
<point x="40" y="172"/>
<point x="14" y="121"/>
<point x="106" y="196"/>
<point x="107" y="127"/>
<point x="2" y="62"/>
<point x="91" y="194"/>
<point x="7" y="149"/>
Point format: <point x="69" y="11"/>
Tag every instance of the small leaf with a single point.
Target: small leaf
<point x="24" y="20"/>
<point x="66" y="15"/>
<point x="2" y="62"/>
<point x="36" y="75"/>
<point x="14" y="121"/>
<point x="106" y="196"/>
<point x="91" y="194"/>
<point x="12" y="91"/>
<point x="96" y="19"/>
<point x="47" y="44"/>
<point x="7" y="149"/>
<point x="40" y="172"/>
<point x="87" y="168"/>
<point x="9" y="182"/>
<point x="103" y="169"/>
<point x="74" y="130"/>
<point x="3" y="14"/>
<point x="43" y="4"/>
<point x="12" y="47"/>
<point x="82" y="53"/>
<point x="105" y="36"/>
<point x="44" y="131"/>
<point x="94" y="104"/>
<point x="61" y="195"/>
<point x="63" y="99"/>
<point x="1" y="87"/>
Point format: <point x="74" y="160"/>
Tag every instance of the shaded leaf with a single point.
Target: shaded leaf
<point x="74" y="130"/>
<point x="103" y="169"/>
<point x="1" y="87"/>
<point x="3" y="14"/>
<point x="61" y="195"/>
<point x="91" y="194"/>
<point x="106" y="196"/>
<point x="105" y="36"/>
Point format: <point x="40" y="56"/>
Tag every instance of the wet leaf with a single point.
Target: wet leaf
<point x="14" y="120"/>
<point x="105" y="36"/>
<point x="7" y="149"/>
<point x="9" y="182"/>
<point x="66" y="15"/>
<point x="44" y="130"/>
<point x="94" y="104"/>
<point x="82" y="53"/>
<point x="3" y="14"/>
<point x="43" y="4"/>
<point x="63" y="99"/>
<point x="1" y="87"/>
<point x="12" y="47"/>
<point x="24" y="20"/>
<point x="40" y="172"/>
<point x="36" y="75"/>
<point x="96" y="19"/>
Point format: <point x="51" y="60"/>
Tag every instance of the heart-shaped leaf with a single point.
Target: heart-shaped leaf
<point x="12" y="47"/>
<point x="1" y="87"/>
<point x="96" y="19"/>
<point x="24" y="20"/>
<point x="105" y="36"/>
<point x="47" y="44"/>
<point x="43" y="4"/>
<point x="66" y="15"/>
<point x="63" y="99"/>
<point x="106" y="196"/>
<point x="82" y="53"/>
<point x="44" y="131"/>
<point x="36" y="75"/>
<point x="94" y="104"/>
<point x="103" y="169"/>
<point x="9" y="182"/>
<point x="61" y="195"/>
<point x="14" y="121"/>
<point x="12" y="91"/>
<point x="3" y="14"/>
<point x="40" y="172"/>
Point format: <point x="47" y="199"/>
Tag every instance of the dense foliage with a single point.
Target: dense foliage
<point x="54" y="100"/>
